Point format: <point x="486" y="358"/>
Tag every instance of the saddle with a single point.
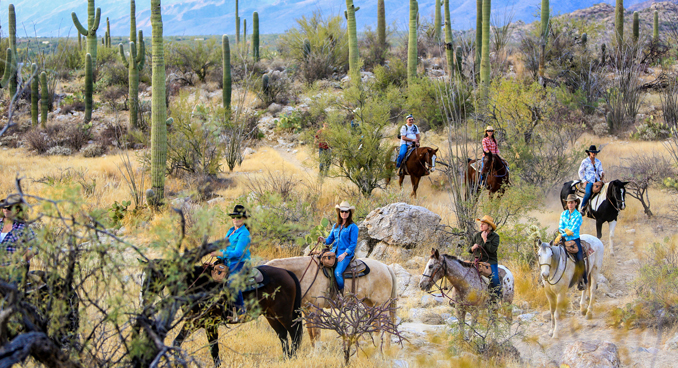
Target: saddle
<point x="403" y="166"/>
<point x="580" y="188"/>
<point x="571" y="248"/>
<point x="357" y="268"/>
<point x="484" y="270"/>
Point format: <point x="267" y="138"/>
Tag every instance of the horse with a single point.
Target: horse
<point x="470" y="288"/>
<point x="420" y="163"/>
<point x="558" y="271"/>
<point x="279" y="301"/>
<point x="376" y="288"/>
<point x="605" y="210"/>
<point x="495" y="171"/>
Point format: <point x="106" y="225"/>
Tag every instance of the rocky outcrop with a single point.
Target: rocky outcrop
<point x="593" y="354"/>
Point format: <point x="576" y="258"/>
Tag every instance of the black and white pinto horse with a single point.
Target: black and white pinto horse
<point x="604" y="207"/>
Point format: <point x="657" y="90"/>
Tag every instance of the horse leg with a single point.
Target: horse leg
<point x="281" y="331"/>
<point x="400" y="180"/>
<point x="552" y="306"/>
<point x="613" y="225"/>
<point x="213" y="338"/>
<point x="591" y="290"/>
<point x="461" y="317"/>
<point x="560" y="304"/>
<point x="415" y="185"/>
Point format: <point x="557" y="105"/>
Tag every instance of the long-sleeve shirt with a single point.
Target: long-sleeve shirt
<point x="570" y="220"/>
<point x="590" y="172"/>
<point x="344" y="239"/>
<point x="15" y="239"/>
<point x="489" y="145"/>
<point x="488" y="253"/>
<point x="237" y="253"/>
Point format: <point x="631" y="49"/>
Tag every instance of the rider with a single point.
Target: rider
<point x="409" y="135"/>
<point x="237" y="254"/>
<point x="344" y="235"/>
<point x="590" y="171"/>
<point x="489" y="146"/>
<point x="485" y="245"/>
<point x="15" y="235"/>
<point x="570" y="222"/>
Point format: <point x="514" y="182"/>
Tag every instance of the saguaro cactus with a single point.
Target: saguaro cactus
<point x="353" y="54"/>
<point x="655" y="27"/>
<point x="226" y="64"/>
<point x="449" y="42"/>
<point x="437" y="23"/>
<point x="34" y="94"/>
<point x="412" y="43"/>
<point x="244" y="37"/>
<point x="93" y="19"/>
<point x="108" y="33"/>
<point x="89" y="87"/>
<point x="306" y="50"/>
<point x="11" y="63"/>
<point x="545" y="20"/>
<point x="159" y="119"/>
<point x="479" y="33"/>
<point x="485" y="59"/>
<point x="636" y="27"/>
<point x="619" y="22"/>
<point x="584" y="39"/>
<point x="79" y="41"/>
<point x="459" y="65"/>
<point x="44" y="99"/>
<point x="381" y="23"/>
<point x="237" y="25"/>
<point x="135" y="63"/>
<point x="603" y="48"/>
<point x="255" y="36"/>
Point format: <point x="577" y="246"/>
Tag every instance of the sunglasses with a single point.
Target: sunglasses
<point x="490" y="131"/>
<point x="237" y="217"/>
<point x="342" y="211"/>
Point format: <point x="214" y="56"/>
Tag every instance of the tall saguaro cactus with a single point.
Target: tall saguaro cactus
<point x="237" y="25"/>
<point x="619" y="22"/>
<point x="93" y="19"/>
<point x="34" y="94"/>
<point x="485" y="58"/>
<point x="108" y="33"/>
<point x="44" y="99"/>
<point x="437" y="23"/>
<point x="11" y="62"/>
<point x="255" y="36"/>
<point x="412" y="43"/>
<point x="636" y="27"/>
<point x="89" y="87"/>
<point x="353" y="54"/>
<point x="655" y="27"/>
<point x="545" y="19"/>
<point x="449" y="42"/>
<point x="159" y="119"/>
<point x="459" y="57"/>
<point x="134" y="65"/>
<point x="226" y="60"/>
<point x="381" y="24"/>
<point x="479" y="33"/>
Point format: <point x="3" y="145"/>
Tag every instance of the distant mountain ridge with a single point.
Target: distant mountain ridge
<point x="52" y="18"/>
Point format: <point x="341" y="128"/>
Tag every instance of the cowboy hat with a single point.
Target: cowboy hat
<point x="11" y="201"/>
<point x="572" y="198"/>
<point x="488" y="220"/>
<point x="239" y="211"/>
<point x="344" y="206"/>
<point x="592" y="149"/>
<point x="489" y="127"/>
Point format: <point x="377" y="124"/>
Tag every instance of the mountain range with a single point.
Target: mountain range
<point x="52" y="18"/>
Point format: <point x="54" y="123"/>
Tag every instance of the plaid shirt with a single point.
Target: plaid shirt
<point x="489" y="145"/>
<point x="570" y="221"/>
<point x="19" y="235"/>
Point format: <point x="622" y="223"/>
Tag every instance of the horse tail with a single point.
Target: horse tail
<point x="297" y="327"/>
<point x="394" y="293"/>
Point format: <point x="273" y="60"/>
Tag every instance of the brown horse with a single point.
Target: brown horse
<point x="495" y="171"/>
<point x="422" y="162"/>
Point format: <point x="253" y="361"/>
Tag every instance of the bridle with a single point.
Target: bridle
<point x="493" y="171"/>
<point x="614" y="201"/>
<point x="425" y="163"/>
<point x="549" y="279"/>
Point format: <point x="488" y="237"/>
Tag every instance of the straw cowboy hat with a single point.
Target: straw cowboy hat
<point x="488" y="220"/>
<point x="489" y="127"/>
<point x="592" y="149"/>
<point x="572" y="198"/>
<point x="345" y="206"/>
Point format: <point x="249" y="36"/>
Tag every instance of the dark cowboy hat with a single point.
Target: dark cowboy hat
<point x="592" y="149"/>
<point x="239" y="211"/>
<point x="11" y="201"/>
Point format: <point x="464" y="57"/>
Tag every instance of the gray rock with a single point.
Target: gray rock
<point x="591" y="354"/>
<point x="403" y="278"/>
<point x="526" y="317"/>
<point x="400" y="363"/>
<point x="416" y="263"/>
<point x="274" y="108"/>
<point x="401" y="225"/>
<point x="362" y="249"/>
<point x="631" y="231"/>
<point x="248" y="151"/>
<point x="427" y="301"/>
<point x="672" y="343"/>
<point x="216" y="200"/>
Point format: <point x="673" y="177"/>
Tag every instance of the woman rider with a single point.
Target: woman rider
<point x="14" y="233"/>
<point x="570" y="222"/>
<point x="590" y="171"/>
<point x="237" y="254"/>
<point x="344" y="236"/>
<point x="489" y="146"/>
<point x="485" y="245"/>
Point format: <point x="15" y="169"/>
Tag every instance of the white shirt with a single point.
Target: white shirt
<point x="409" y="132"/>
<point x="2" y="236"/>
<point x="590" y="172"/>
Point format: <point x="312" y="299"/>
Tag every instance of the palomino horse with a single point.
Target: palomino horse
<point x="603" y="208"/>
<point x="377" y="287"/>
<point x="470" y="288"/>
<point x="279" y="301"/>
<point x="422" y="162"/>
<point x="558" y="271"/>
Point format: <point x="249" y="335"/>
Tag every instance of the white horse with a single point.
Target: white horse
<point x="557" y="272"/>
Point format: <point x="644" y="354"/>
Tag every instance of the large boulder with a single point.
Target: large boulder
<point x="594" y="354"/>
<point x="401" y="225"/>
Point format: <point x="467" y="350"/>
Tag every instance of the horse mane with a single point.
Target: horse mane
<point x="460" y="261"/>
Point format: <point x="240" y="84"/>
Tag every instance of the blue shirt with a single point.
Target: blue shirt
<point x="570" y="221"/>
<point x="344" y="239"/>
<point x="238" y="251"/>
<point x="590" y="172"/>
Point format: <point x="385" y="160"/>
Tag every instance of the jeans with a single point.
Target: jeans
<point x="237" y="274"/>
<point x="495" y="284"/>
<point x="324" y="160"/>
<point x="339" y="271"/>
<point x="401" y="155"/>
<point x="580" y="258"/>
<point x="589" y="190"/>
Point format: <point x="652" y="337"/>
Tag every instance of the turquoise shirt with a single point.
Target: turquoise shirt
<point x="344" y="239"/>
<point x="570" y="221"/>
<point x="238" y="251"/>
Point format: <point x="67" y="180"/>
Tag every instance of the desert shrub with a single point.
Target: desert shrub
<point x="277" y="90"/>
<point x="58" y="151"/>
<point x="113" y="93"/>
<point x="93" y="150"/>
<point x="112" y="74"/>
<point x="105" y="55"/>
<point x="623" y="99"/>
<point x="291" y="122"/>
<point x="394" y="72"/>
<point x="74" y="136"/>
<point x="37" y="140"/>
<point x="652" y="130"/>
<point x="194" y="60"/>
<point x="423" y="104"/>
<point x="372" y="52"/>
<point x="72" y="103"/>
<point x="669" y="100"/>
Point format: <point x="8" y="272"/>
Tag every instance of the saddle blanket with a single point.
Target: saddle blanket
<point x="255" y="279"/>
<point x="356" y="266"/>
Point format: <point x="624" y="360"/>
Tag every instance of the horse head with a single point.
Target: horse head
<point x="427" y="157"/>
<point x="545" y="256"/>
<point x="433" y="271"/>
<point x="616" y="194"/>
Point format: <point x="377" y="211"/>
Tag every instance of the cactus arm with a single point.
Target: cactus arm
<point x="78" y="25"/>
<point x="9" y="65"/>
<point x="97" y="19"/>
<point x="122" y="56"/>
<point x="141" y="54"/>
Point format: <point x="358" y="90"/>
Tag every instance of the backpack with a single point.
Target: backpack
<point x="405" y="126"/>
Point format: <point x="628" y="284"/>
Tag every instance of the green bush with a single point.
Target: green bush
<point x="422" y="102"/>
<point x="652" y="130"/>
<point x="393" y="73"/>
<point x="193" y="60"/>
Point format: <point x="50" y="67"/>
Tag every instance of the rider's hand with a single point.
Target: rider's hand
<point x="569" y="232"/>
<point x="474" y="247"/>
<point x="341" y="257"/>
<point x="217" y="253"/>
<point x="321" y="239"/>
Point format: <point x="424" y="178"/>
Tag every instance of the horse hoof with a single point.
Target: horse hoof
<point x="583" y="312"/>
<point x="589" y="315"/>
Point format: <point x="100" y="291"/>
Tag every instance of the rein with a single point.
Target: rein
<point x="204" y="268"/>
<point x="612" y="201"/>
<point x="553" y="253"/>
<point x="307" y="267"/>
<point x="442" y="289"/>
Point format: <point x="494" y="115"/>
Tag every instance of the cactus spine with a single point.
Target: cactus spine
<point x="44" y="99"/>
<point x="437" y="23"/>
<point x="412" y="43"/>
<point x="135" y="63"/>
<point x="353" y="55"/>
<point x="237" y="25"/>
<point x="226" y="60"/>
<point x="158" y="111"/>
<point x="485" y="58"/>
<point x="381" y="24"/>
<point x="11" y="62"/>
<point x="619" y="22"/>
<point x="655" y="27"/>
<point x="479" y="33"/>
<point x="636" y="27"/>
<point x="449" y="42"/>
<point x="89" y="88"/>
<point x="459" y="60"/>
<point x="255" y="36"/>
<point x="34" y="94"/>
<point x="93" y="18"/>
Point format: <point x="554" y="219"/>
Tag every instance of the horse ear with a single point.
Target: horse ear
<point x="433" y="252"/>
<point x="623" y="184"/>
<point x="437" y="254"/>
